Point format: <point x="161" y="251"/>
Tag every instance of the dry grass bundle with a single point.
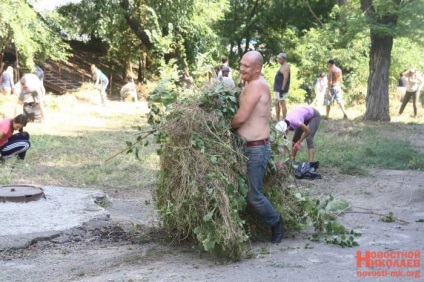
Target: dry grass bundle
<point x="201" y="188"/>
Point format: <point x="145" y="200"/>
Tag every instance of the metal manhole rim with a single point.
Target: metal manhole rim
<point x="21" y="193"/>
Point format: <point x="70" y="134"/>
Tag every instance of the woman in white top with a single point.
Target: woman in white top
<point x="414" y="84"/>
<point x="320" y="89"/>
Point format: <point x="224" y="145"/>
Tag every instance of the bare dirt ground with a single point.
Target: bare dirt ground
<point x="128" y="247"/>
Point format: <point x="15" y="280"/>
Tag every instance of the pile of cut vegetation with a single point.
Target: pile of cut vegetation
<point x="201" y="187"/>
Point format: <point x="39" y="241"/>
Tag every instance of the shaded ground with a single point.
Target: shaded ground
<point x="128" y="248"/>
<point x="138" y="254"/>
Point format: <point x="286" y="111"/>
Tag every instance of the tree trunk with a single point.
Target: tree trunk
<point x="377" y="100"/>
<point x="140" y="73"/>
<point x="380" y="59"/>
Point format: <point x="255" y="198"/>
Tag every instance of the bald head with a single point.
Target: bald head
<point x="255" y="57"/>
<point x="251" y="65"/>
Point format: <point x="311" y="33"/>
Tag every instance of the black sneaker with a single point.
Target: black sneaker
<point x="277" y="232"/>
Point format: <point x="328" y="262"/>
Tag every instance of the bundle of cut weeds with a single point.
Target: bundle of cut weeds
<point x="202" y="187"/>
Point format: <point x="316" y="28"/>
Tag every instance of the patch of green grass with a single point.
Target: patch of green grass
<point x="72" y="147"/>
<point x="356" y="146"/>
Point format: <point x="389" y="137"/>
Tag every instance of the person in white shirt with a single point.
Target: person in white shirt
<point x="129" y="92"/>
<point x="414" y="85"/>
<point x="31" y="94"/>
<point x="320" y="88"/>
<point x="226" y="80"/>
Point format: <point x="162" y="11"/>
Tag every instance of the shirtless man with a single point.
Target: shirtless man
<point x="251" y="122"/>
<point x="335" y="78"/>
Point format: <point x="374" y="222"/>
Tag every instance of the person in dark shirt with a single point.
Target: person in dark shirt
<point x="281" y="86"/>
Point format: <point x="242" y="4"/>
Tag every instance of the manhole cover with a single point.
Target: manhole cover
<point x="20" y="193"/>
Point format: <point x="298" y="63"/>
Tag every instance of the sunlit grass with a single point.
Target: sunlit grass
<point x="72" y="147"/>
<point x="354" y="146"/>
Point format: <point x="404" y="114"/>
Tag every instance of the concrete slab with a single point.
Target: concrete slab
<point x="62" y="209"/>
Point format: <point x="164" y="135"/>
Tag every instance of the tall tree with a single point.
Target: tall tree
<point x="383" y="17"/>
<point x="263" y="24"/>
<point x="377" y="100"/>
<point x="169" y="29"/>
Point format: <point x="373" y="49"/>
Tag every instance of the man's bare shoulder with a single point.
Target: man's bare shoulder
<point x="256" y="83"/>
<point x="256" y="86"/>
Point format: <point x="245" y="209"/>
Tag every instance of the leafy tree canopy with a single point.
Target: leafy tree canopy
<point x="31" y="35"/>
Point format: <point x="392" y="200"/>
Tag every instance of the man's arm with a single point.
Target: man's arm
<point x="420" y="81"/>
<point x="251" y="96"/>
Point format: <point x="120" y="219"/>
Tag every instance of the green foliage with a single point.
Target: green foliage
<point x="344" y="240"/>
<point x="388" y="218"/>
<point x="193" y="35"/>
<point x="404" y="55"/>
<point x="187" y="25"/>
<point x="104" y="22"/>
<point x="31" y="35"/>
<point x="263" y="25"/>
<point x="342" y="41"/>
<point x="180" y="30"/>
<point x="396" y="18"/>
<point x="307" y="211"/>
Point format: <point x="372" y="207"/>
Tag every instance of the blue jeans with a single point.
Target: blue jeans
<point x="258" y="158"/>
